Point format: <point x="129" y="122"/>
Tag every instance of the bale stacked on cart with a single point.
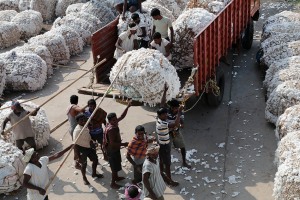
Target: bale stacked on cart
<point x="40" y="124"/>
<point x="7" y="15"/>
<point x="144" y="74"/>
<point x="11" y="167"/>
<point x="186" y="27"/>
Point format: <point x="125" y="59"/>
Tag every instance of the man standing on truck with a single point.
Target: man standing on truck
<point x="162" y="24"/>
<point x="142" y="32"/>
<point x="127" y="41"/>
<point x="162" y="45"/>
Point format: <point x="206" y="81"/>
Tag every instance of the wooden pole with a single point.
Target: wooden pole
<point x="86" y="124"/>
<point x="64" y="66"/>
<point x="20" y="102"/>
<point x="6" y="131"/>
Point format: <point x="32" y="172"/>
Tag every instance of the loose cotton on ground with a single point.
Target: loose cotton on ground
<point x="144" y="75"/>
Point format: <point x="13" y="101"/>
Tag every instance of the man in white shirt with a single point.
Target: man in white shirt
<point x="127" y="41"/>
<point x="36" y="177"/>
<point x="162" y="24"/>
<point x="142" y="32"/>
<point x="162" y="45"/>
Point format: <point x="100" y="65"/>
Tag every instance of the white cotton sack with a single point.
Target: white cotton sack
<point x="73" y="40"/>
<point x="2" y="76"/>
<point x="144" y="74"/>
<point x="29" y="22"/>
<point x="45" y="7"/>
<point x="82" y="27"/>
<point x="56" y="44"/>
<point x="7" y="15"/>
<point x="287" y="178"/>
<point x="24" y="71"/>
<point x="171" y="5"/>
<point x="278" y="52"/>
<point x="9" y="34"/>
<point x="288" y="122"/>
<point x="279" y="39"/>
<point x="284" y="96"/>
<point x="149" y="5"/>
<point x="74" y="8"/>
<point x="11" y="167"/>
<point x="9" y="5"/>
<point x="41" y="51"/>
<point x="279" y="28"/>
<point x="62" y="6"/>
<point x="40" y="124"/>
<point x="186" y="27"/>
<point x="282" y="17"/>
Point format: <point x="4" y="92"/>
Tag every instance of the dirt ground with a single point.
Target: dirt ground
<point x="231" y="148"/>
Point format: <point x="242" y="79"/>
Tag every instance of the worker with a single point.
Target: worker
<point x="23" y="130"/>
<point x="99" y="118"/>
<point x="118" y="5"/>
<point x="162" y="25"/>
<point x="162" y="45"/>
<point x="36" y="176"/>
<point x="84" y="145"/>
<point x="127" y="41"/>
<point x="142" y="32"/>
<point x="112" y="144"/>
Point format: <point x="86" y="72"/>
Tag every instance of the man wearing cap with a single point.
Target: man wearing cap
<point x="127" y="41"/>
<point x="36" y="177"/>
<point x="112" y="144"/>
<point x="163" y="138"/>
<point x="23" y="131"/>
<point x="154" y="185"/>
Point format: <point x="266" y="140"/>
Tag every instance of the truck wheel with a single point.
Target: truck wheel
<point x="247" y="37"/>
<point x="213" y="100"/>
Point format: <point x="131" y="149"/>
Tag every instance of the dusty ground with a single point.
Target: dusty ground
<point x="234" y="145"/>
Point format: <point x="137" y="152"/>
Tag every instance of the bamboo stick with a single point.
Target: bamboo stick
<point x="64" y="66"/>
<point x="86" y="124"/>
<point x="6" y="131"/>
<point x="20" y="102"/>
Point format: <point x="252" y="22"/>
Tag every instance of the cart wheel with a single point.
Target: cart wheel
<point x="247" y="37"/>
<point x="213" y="100"/>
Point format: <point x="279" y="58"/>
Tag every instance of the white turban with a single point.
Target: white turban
<point x="154" y="148"/>
<point x="28" y="154"/>
<point x="133" y="28"/>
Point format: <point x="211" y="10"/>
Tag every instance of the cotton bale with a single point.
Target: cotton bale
<point x="149" y="5"/>
<point x="9" y="5"/>
<point x="282" y="18"/>
<point x="144" y="74"/>
<point x="9" y="34"/>
<point x="279" y="39"/>
<point x="170" y="5"/>
<point x="7" y="15"/>
<point x="91" y="19"/>
<point x="29" y="22"/>
<point x="74" y="8"/>
<point x="45" y="7"/>
<point x="62" y="6"/>
<point x="279" y="28"/>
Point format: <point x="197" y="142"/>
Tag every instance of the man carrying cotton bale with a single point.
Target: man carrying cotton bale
<point x="163" y="137"/>
<point x="127" y="41"/>
<point x="85" y="147"/>
<point x="22" y="131"/>
<point x="162" y="45"/>
<point x="36" y="176"/>
<point x="112" y="144"/>
<point x="162" y="24"/>
<point x="98" y="119"/>
<point x="154" y="185"/>
<point x="142" y="32"/>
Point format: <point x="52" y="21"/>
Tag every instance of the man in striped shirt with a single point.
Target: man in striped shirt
<point x="163" y="138"/>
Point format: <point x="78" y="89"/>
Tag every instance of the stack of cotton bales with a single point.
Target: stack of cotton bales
<point x="186" y="27"/>
<point x="62" y="6"/>
<point x="29" y="22"/>
<point x="11" y="167"/>
<point x="143" y="76"/>
<point x="24" y="71"/>
<point x="7" y="15"/>
<point x="40" y="124"/>
<point x="9" y="33"/>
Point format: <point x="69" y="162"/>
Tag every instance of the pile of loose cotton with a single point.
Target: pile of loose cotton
<point x="11" y="167"/>
<point x="62" y="6"/>
<point x="40" y="124"/>
<point x="9" y="34"/>
<point x="9" y="5"/>
<point x="24" y="71"/>
<point x="56" y="44"/>
<point x="73" y="40"/>
<point x="279" y="28"/>
<point x="282" y="18"/>
<point x="144" y="74"/>
<point x="45" y="7"/>
<point x="149" y="5"/>
<point x="284" y="96"/>
<point x="186" y="27"/>
<point x="171" y="5"/>
<point x="29" y="22"/>
<point x="7" y="15"/>
<point x="287" y="178"/>
<point x="2" y="76"/>
<point x="288" y="122"/>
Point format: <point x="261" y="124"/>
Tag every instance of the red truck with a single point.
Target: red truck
<point x="233" y="25"/>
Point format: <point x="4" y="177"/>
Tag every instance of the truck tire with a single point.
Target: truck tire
<point x="213" y="100"/>
<point x="247" y="37"/>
